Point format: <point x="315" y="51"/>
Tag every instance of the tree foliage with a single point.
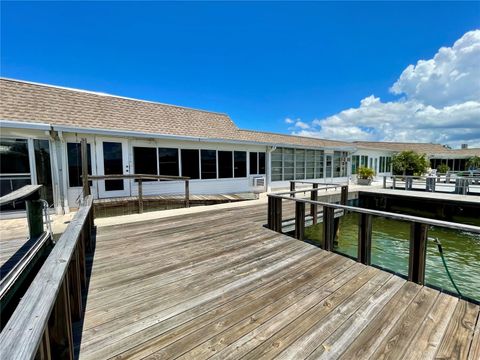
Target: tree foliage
<point x="474" y="162"/>
<point x="410" y="163"/>
<point x="365" y="173"/>
<point x="443" y="168"/>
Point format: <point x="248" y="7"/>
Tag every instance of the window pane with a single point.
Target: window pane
<point x="209" y="164"/>
<point x="310" y="159"/>
<point x="74" y="156"/>
<point x="299" y="164"/>
<point x="253" y="163"/>
<point x="145" y="161"/>
<point x="318" y="164"/>
<point x="277" y="164"/>
<point x="261" y="163"/>
<point x="240" y="163"/>
<point x="225" y="164"/>
<point x="168" y="161"/>
<point x="44" y="169"/>
<point x="288" y="164"/>
<point x="190" y="165"/>
<point x="14" y="156"/>
<point x="112" y="164"/>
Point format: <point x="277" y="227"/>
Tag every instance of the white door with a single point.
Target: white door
<point x="113" y="160"/>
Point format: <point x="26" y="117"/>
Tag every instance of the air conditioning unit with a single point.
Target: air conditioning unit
<point x="258" y="181"/>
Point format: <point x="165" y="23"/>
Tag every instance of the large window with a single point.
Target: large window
<point x="277" y="156"/>
<point x="145" y="161"/>
<point x="288" y="164"/>
<point x="240" y="164"/>
<point x="190" y="163"/>
<point x="74" y="156"/>
<point x="318" y="164"/>
<point x="14" y="165"/>
<point x="310" y="164"/>
<point x="209" y="164"/>
<point x="168" y="161"/>
<point x="225" y="164"/>
<point x="340" y="164"/>
<point x="257" y="163"/>
<point x="355" y="164"/>
<point x="299" y="164"/>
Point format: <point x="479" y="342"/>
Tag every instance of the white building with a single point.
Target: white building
<point x="42" y="125"/>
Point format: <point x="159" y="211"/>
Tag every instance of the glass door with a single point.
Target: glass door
<point x="113" y="160"/>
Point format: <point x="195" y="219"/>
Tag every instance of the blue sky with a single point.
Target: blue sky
<point x="259" y="62"/>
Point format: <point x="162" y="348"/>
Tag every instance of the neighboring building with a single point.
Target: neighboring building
<point x="42" y="125"/>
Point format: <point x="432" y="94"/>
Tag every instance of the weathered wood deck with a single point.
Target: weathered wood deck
<point x="218" y="285"/>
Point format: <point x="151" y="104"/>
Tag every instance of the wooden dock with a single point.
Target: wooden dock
<point x="219" y="285"/>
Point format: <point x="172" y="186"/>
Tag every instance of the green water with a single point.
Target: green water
<point x="390" y="249"/>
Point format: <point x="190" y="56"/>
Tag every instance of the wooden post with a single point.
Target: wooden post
<point x="187" y="193"/>
<point x="270" y="213"/>
<point x="140" y="196"/>
<point x="365" y="239"/>
<point x="344" y="195"/>
<point x="277" y="218"/>
<point x="74" y="279"/>
<point x="34" y="218"/>
<point x="292" y="188"/>
<point x="60" y="325"/>
<point x="328" y="228"/>
<point x="43" y="352"/>
<point x="394" y="182"/>
<point x="384" y="181"/>
<point x="314" y="207"/>
<point x="418" y="252"/>
<point x="299" y="220"/>
<point x="84" y="154"/>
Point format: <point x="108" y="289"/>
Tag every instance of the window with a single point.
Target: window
<point x="253" y="163"/>
<point x="209" y="164"/>
<point x="288" y="164"/>
<point x="190" y="163"/>
<point x="364" y="161"/>
<point x="257" y="163"/>
<point x="145" y="161"/>
<point x="299" y="164"/>
<point x="225" y="164"/>
<point x="277" y="164"/>
<point x="74" y="157"/>
<point x="318" y="164"/>
<point x="310" y="161"/>
<point x="14" y="165"/>
<point x="240" y="164"/>
<point x="355" y="163"/>
<point x="261" y="163"/>
<point x="168" y="161"/>
<point x="337" y="162"/>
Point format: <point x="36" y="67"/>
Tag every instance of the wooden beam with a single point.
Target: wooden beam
<point x="292" y="188"/>
<point x="328" y="228"/>
<point x="60" y="326"/>
<point x="418" y="252"/>
<point x="140" y="196"/>
<point x="344" y="195"/>
<point x="84" y="156"/>
<point x="277" y="217"/>
<point x="314" y="207"/>
<point x="365" y="239"/>
<point x="299" y="220"/>
<point x="187" y="193"/>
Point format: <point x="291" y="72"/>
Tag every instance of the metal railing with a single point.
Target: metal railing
<point x="43" y="318"/>
<point x="140" y="178"/>
<point x="463" y="185"/>
<point x="418" y="228"/>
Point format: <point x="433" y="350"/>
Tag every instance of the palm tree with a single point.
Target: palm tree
<point x="474" y="162"/>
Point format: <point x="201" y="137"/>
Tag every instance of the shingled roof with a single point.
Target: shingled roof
<point x="39" y="103"/>
<point x="401" y="146"/>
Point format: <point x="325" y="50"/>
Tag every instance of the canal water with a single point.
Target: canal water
<point x="390" y="250"/>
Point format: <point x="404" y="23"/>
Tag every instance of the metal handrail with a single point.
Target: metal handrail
<point x="390" y="215"/>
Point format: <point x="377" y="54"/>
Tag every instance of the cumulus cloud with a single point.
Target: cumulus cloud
<point x="439" y="101"/>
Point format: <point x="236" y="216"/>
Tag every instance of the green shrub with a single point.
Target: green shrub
<point x="365" y="173"/>
<point x="443" y="168"/>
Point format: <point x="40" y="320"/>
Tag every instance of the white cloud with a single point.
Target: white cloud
<point x="289" y="121"/>
<point x="302" y="125"/>
<point x="440" y="102"/>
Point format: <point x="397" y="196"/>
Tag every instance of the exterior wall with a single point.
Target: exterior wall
<point x="374" y="160"/>
<point x="36" y="134"/>
<point x="197" y="186"/>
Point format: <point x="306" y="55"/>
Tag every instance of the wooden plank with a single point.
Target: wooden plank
<point x="25" y="192"/>
<point x="299" y="221"/>
<point x="418" y="252"/>
<point x="459" y="334"/>
<point x="365" y="239"/>
<point x="474" y="352"/>
<point x="23" y="332"/>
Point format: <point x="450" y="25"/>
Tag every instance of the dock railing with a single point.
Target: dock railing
<point x="140" y="179"/>
<point x="418" y="227"/>
<point x="41" y="325"/>
<point x="445" y="183"/>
